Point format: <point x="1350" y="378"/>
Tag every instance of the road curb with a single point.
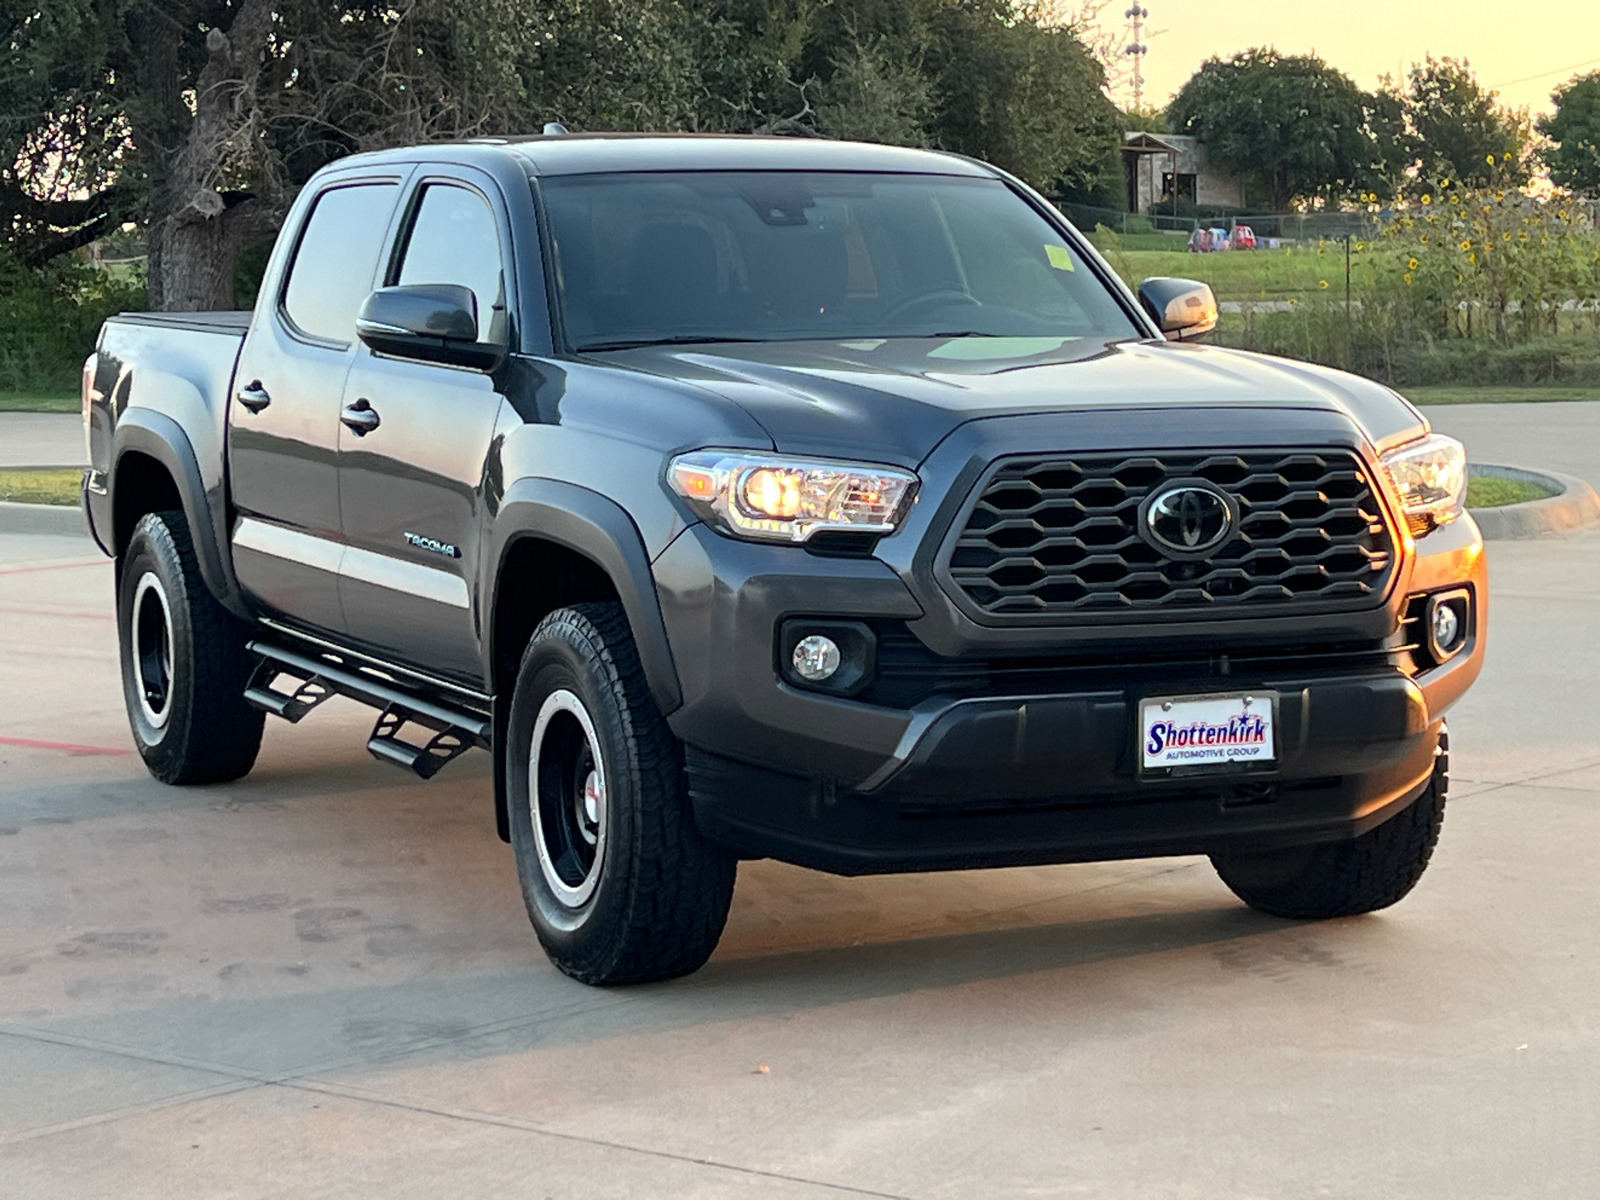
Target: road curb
<point x="59" y="520"/>
<point x="1574" y="506"/>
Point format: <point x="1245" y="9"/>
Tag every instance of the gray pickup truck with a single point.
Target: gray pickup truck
<point x="754" y="497"/>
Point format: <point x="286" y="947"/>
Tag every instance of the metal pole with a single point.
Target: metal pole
<point x="1348" y="337"/>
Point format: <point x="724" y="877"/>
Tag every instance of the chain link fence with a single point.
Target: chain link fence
<point x="1292" y="227"/>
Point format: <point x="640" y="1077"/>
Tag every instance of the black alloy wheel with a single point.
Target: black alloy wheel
<point x="619" y="883"/>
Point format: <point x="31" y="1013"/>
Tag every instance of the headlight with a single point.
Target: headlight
<point x="779" y="499"/>
<point x="1431" y="477"/>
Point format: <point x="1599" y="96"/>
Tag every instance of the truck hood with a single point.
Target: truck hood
<point x="895" y="400"/>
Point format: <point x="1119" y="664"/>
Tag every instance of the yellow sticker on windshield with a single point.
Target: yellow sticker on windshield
<point x="1060" y="258"/>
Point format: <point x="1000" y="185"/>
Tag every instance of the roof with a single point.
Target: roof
<point x="1149" y="143"/>
<point x="588" y="154"/>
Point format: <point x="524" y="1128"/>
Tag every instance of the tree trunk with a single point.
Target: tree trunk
<point x="196" y="229"/>
<point x="191" y="259"/>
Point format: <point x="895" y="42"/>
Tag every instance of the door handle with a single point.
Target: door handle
<point x="254" y="397"/>
<point x="360" y="418"/>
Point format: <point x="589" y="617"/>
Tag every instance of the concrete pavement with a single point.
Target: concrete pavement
<point x="1560" y="435"/>
<point x="319" y="981"/>
<point x="42" y="440"/>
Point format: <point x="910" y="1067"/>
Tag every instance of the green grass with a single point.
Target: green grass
<point x="1163" y="242"/>
<point x="42" y="400"/>
<point x="48" y="485"/>
<point x="1488" y="491"/>
<point x="1467" y="393"/>
<point x="1243" y="275"/>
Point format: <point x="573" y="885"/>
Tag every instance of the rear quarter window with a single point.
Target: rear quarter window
<point x="336" y="259"/>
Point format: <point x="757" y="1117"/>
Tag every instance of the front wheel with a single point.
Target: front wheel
<point x="184" y="662"/>
<point x="1341" y="879"/>
<point x="620" y="885"/>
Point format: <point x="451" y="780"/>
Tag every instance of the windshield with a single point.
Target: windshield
<point x="785" y="255"/>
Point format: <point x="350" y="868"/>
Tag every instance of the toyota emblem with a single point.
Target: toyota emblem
<point x="1189" y="519"/>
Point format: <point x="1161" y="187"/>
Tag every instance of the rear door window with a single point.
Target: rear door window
<point x="337" y="258"/>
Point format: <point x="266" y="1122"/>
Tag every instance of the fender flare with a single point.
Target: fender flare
<point x="158" y="436"/>
<point x="598" y="528"/>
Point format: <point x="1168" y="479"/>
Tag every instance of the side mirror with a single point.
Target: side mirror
<point x="435" y="322"/>
<point x="1183" y="308"/>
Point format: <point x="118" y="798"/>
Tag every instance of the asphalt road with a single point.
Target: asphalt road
<point x="319" y="982"/>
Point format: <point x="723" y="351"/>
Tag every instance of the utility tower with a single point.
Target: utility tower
<point x="1136" y="50"/>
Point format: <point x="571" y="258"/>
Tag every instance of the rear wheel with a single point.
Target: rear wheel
<point x="184" y="662"/>
<point x="1341" y="879"/>
<point x="620" y="885"/>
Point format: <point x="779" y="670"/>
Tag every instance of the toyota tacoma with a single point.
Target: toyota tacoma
<point x="758" y="497"/>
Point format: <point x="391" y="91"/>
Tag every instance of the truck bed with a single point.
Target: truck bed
<point x="151" y="367"/>
<point x="229" y="322"/>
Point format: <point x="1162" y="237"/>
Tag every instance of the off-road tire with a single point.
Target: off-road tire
<point x="1341" y="879"/>
<point x="205" y="732"/>
<point x="661" y="891"/>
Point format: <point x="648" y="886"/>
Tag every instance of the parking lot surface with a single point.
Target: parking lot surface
<point x="319" y="981"/>
<point x="1561" y="435"/>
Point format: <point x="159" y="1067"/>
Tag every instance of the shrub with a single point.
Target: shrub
<point x="1484" y="286"/>
<point x="49" y="318"/>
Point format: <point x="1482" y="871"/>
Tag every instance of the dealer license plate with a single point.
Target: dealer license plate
<point x="1208" y="731"/>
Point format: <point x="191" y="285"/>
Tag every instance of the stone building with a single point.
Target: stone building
<point x="1155" y="163"/>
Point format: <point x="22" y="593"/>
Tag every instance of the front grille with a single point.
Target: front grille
<point x="1059" y="535"/>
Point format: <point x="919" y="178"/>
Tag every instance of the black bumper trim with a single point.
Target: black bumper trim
<point x="763" y="814"/>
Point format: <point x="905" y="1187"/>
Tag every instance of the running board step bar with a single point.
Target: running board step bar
<point x="426" y="760"/>
<point x="291" y="708"/>
<point x="453" y="730"/>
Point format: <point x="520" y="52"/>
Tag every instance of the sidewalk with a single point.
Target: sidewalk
<point x="41" y="440"/>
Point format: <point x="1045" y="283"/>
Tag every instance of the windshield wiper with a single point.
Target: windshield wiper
<point x="690" y="339"/>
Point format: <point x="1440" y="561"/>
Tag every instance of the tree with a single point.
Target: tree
<point x="1021" y="93"/>
<point x="60" y="145"/>
<point x="1291" y="122"/>
<point x="1456" y="130"/>
<point x="1393" y="154"/>
<point x="876" y="94"/>
<point x="1574" y="131"/>
<point x="201" y="118"/>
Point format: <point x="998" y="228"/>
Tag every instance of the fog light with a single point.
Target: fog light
<point x="1446" y="627"/>
<point x="1446" y="623"/>
<point x="816" y="658"/>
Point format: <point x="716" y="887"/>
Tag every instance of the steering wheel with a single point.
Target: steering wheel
<point x="938" y="298"/>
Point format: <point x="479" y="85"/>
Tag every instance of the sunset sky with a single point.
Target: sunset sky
<point x="1550" y="40"/>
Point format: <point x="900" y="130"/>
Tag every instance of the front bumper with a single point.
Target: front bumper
<point x="1046" y="772"/>
<point x="1050" y="779"/>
